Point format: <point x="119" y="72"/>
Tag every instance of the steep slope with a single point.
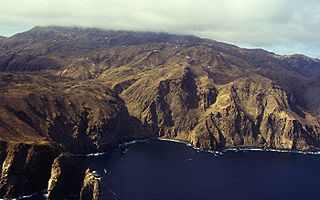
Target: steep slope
<point x="255" y="112"/>
<point x="251" y="111"/>
<point x="176" y="85"/>
<point x="176" y="91"/>
<point x="42" y="116"/>
<point x="82" y="117"/>
<point x="25" y="167"/>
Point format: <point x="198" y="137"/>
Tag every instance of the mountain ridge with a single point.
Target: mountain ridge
<point x="70" y="28"/>
<point x="126" y="58"/>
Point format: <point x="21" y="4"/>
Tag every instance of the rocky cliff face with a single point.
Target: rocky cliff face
<point x="25" y="167"/>
<point x="70" y="180"/>
<point x="80" y="117"/>
<point x="43" y="116"/>
<point x="90" y="89"/>
<point x="90" y="187"/>
<point x="250" y="111"/>
<point x="254" y="112"/>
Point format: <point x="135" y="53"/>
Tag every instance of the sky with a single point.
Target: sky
<point x="281" y="26"/>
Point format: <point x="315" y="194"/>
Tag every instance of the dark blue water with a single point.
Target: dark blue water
<point x="160" y="170"/>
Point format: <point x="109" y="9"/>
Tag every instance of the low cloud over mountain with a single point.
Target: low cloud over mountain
<point x="283" y="26"/>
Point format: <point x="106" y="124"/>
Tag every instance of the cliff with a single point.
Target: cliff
<point x="81" y="117"/>
<point x="43" y="116"/>
<point x="70" y="180"/>
<point x="25" y="167"/>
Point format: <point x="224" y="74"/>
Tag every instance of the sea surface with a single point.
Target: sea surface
<point x="163" y="170"/>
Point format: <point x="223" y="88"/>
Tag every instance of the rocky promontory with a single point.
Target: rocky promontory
<point x="25" y="167"/>
<point x="70" y="180"/>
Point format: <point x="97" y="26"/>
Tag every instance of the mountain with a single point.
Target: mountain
<point x="84" y="90"/>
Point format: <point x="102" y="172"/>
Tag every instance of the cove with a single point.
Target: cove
<point x="165" y="170"/>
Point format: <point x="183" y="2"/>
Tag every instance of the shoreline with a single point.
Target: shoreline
<point x="242" y="149"/>
<point x="272" y="150"/>
<point x="215" y="152"/>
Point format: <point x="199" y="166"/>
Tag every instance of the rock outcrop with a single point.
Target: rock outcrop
<point x="81" y="117"/>
<point x="40" y="117"/>
<point x="25" y="168"/>
<point x="254" y="112"/>
<point x="66" y="178"/>
<point x="90" y="187"/>
<point x="70" y="180"/>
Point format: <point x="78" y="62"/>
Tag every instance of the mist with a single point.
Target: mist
<point x="282" y="26"/>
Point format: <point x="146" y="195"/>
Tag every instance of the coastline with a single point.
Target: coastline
<point x="215" y="152"/>
<point x="243" y="149"/>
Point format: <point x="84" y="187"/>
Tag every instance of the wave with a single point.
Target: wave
<point x="30" y="195"/>
<point x="272" y="150"/>
<point x="190" y="145"/>
<point x="97" y="175"/>
<point x="136" y="141"/>
<point x="215" y="152"/>
<point x="95" y="154"/>
<point x="176" y="141"/>
<point x="242" y="149"/>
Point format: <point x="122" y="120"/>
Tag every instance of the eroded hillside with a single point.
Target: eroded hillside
<point x="43" y="116"/>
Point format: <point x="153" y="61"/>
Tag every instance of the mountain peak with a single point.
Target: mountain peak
<point x="48" y="42"/>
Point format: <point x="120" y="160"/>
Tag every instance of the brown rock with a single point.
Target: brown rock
<point x="83" y="118"/>
<point x="25" y="167"/>
<point x="66" y="178"/>
<point x="91" y="187"/>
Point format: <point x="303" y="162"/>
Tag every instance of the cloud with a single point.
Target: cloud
<point x="285" y="26"/>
